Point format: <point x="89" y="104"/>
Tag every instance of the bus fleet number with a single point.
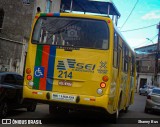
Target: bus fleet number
<point x="65" y="74"/>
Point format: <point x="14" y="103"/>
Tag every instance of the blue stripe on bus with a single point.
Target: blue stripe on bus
<point x="56" y="14"/>
<point x="51" y="63"/>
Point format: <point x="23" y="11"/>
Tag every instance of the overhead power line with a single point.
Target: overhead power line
<point x="130" y="14"/>
<point x="139" y="28"/>
<point x="146" y="42"/>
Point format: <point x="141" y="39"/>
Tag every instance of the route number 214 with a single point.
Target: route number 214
<point x="65" y="74"/>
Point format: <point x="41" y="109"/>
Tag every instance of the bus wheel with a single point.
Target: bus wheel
<point x="32" y="107"/>
<point x="55" y="110"/>
<point x="126" y="109"/>
<point x="130" y="101"/>
<point x="114" y="117"/>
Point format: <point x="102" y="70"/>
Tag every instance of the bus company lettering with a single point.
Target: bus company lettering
<point x="81" y="67"/>
<point x="72" y="64"/>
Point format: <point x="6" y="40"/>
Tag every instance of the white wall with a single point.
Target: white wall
<point x="149" y="78"/>
<point x="42" y="4"/>
<point x="55" y="6"/>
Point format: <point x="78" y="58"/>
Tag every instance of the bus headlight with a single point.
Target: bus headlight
<point x="99" y="91"/>
<point x="30" y="83"/>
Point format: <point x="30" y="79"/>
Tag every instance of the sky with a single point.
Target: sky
<point x="145" y="13"/>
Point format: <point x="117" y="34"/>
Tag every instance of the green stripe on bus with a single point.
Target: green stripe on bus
<point x="38" y="63"/>
<point x="43" y="14"/>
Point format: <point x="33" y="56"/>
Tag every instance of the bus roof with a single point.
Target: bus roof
<point x="105" y="7"/>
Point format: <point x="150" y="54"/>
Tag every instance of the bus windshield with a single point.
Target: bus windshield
<point x="75" y="32"/>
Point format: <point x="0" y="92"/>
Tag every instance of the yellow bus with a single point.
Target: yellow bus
<point x="79" y="61"/>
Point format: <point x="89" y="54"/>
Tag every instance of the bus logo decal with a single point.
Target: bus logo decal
<point x="61" y="65"/>
<point x="103" y="65"/>
<point x="39" y="72"/>
<point x="72" y="64"/>
<point x="66" y="64"/>
<point x="102" y="68"/>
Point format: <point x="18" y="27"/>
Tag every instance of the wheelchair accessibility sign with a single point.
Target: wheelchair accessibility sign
<point x="39" y="72"/>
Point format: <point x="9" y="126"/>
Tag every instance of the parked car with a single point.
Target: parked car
<point x="11" y="88"/>
<point x="145" y="90"/>
<point x="153" y="100"/>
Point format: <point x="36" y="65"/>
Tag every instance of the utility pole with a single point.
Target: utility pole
<point x="157" y="57"/>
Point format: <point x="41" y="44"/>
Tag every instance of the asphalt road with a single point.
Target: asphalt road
<point x="80" y="119"/>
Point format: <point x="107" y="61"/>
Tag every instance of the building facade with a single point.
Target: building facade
<point x="16" y="18"/>
<point x="146" y="58"/>
<point x="15" y="24"/>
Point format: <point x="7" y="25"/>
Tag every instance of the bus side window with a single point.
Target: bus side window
<point x="132" y="66"/>
<point x="125" y="58"/>
<point x="115" y="50"/>
<point x="105" y="44"/>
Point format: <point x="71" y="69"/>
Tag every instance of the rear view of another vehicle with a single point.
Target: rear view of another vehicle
<point x="150" y="88"/>
<point x="11" y="87"/>
<point x="153" y="101"/>
<point x="143" y="90"/>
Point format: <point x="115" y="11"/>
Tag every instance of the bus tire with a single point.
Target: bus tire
<point x="32" y="107"/>
<point x="126" y="109"/>
<point x="130" y="101"/>
<point x="115" y="116"/>
<point x="52" y="109"/>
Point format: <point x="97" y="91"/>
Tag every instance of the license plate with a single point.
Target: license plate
<point x="64" y="97"/>
<point x="65" y="83"/>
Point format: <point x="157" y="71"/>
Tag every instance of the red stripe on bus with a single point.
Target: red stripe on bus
<point x="36" y="17"/>
<point x="50" y="14"/>
<point x="45" y="57"/>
